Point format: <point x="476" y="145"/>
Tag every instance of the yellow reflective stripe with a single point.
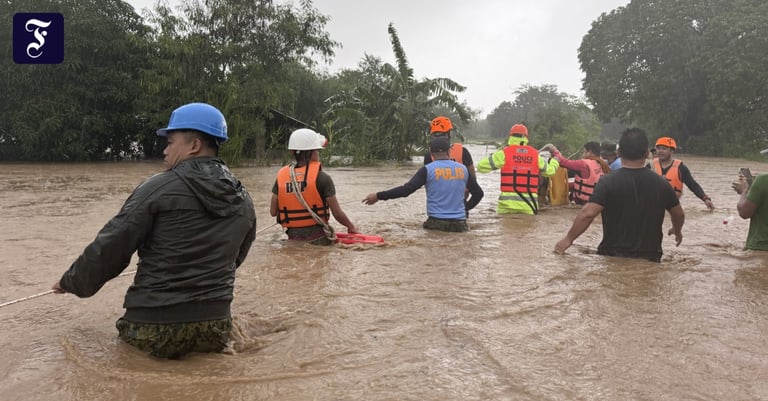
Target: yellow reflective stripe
<point x="513" y="197"/>
<point x="491" y="163"/>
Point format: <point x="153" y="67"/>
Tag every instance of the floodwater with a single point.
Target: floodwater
<point x="492" y="314"/>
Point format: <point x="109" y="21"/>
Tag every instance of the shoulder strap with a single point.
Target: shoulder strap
<point x="329" y="232"/>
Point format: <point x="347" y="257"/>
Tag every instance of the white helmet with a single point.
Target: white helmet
<point x="306" y="139"/>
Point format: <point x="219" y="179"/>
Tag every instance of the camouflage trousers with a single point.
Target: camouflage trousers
<point x="174" y="340"/>
<point x="450" y="225"/>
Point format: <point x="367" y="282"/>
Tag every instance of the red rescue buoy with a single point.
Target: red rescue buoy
<point x="346" y="238"/>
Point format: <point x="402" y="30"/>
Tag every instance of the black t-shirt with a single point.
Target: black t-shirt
<point x="634" y="203"/>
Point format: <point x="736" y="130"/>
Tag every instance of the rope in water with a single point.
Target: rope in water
<point x="263" y="229"/>
<point x="26" y="298"/>
<point x="15" y="301"/>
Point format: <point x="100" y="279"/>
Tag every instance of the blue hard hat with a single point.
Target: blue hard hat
<point x="200" y="117"/>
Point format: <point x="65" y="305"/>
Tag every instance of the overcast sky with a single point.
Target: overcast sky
<point x="490" y="46"/>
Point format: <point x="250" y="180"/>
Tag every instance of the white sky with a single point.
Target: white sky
<point x="490" y="46"/>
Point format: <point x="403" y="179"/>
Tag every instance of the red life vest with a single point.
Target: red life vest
<point x="520" y="173"/>
<point x="672" y="176"/>
<point x="583" y="187"/>
<point x="290" y="212"/>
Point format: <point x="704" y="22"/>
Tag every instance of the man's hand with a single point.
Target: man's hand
<point x="741" y="185"/>
<point x="549" y="147"/>
<point x="562" y="245"/>
<point x="57" y="288"/>
<point x="678" y="236"/>
<point x="371" y="199"/>
<point x="710" y="205"/>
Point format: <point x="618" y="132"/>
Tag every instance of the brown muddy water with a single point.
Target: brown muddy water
<point x="492" y="314"/>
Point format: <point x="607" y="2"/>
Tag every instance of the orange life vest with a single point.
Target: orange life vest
<point x="583" y="187"/>
<point x="520" y="173"/>
<point x="672" y="176"/>
<point x="290" y="212"/>
<point x="456" y="153"/>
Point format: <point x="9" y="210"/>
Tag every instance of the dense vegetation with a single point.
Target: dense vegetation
<point x="694" y="69"/>
<point x="551" y="116"/>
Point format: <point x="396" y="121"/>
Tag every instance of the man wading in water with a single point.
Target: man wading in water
<point x="192" y="226"/>
<point x="304" y="196"/>
<point x="445" y="180"/>
<point x="632" y="201"/>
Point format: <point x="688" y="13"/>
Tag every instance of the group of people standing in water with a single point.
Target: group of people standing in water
<point x="193" y="224"/>
<point x="631" y="193"/>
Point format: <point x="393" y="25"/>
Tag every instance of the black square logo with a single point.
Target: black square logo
<point x="38" y="38"/>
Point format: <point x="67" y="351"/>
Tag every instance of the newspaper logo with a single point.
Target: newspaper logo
<point x="38" y="38"/>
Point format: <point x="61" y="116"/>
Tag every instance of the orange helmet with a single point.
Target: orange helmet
<point x="666" y="141"/>
<point x="440" y="125"/>
<point x="519" y="129"/>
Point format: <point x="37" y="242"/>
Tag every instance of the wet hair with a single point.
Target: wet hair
<point x="592" y="147"/>
<point x="633" y="144"/>
<point x="608" y="148"/>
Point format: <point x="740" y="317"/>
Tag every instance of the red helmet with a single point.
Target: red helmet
<point x="440" y="125"/>
<point x="519" y="129"/>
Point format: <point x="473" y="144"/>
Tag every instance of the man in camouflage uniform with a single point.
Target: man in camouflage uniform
<point x="192" y="226"/>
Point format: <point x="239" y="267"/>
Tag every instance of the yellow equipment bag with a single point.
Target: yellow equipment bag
<point x="558" y="187"/>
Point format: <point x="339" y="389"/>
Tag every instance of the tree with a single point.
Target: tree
<point x="83" y="108"/>
<point x="736" y="69"/>
<point x="501" y="119"/>
<point x="551" y="116"/>
<point x="246" y="56"/>
<point x="390" y="106"/>
<point x="691" y="69"/>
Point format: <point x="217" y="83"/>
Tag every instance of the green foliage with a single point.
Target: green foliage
<point x="502" y="118"/>
<point x="220" y="52"/>
<point x="121" y="78"/>
<point x="551" y="117"/>
<point x="691" y="69"/>
<point x="82" y="109"/>
<point x="736" y="67"/>
<point x="381" y="111"/>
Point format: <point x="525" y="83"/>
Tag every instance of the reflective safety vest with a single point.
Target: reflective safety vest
<point x="583" y="187"/>
<point x="291" y="213"/>
<point x="520" y="173"/>
<point x="672" y="176"/>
